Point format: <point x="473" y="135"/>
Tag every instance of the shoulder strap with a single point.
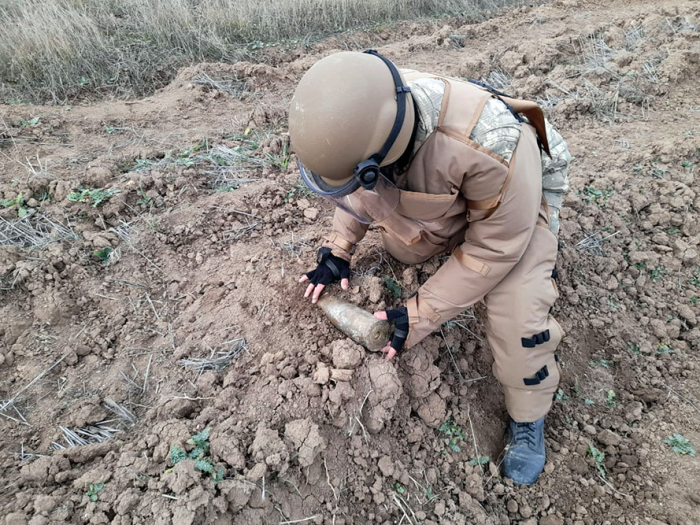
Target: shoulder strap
<point x="530" y="109"/>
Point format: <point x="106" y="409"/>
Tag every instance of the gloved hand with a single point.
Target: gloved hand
<point x="330" y="268"/>
<point x="400" y="318"/>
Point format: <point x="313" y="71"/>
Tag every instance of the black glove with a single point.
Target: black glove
<point x="330" y="268"/>
<point x="400" y="318"/>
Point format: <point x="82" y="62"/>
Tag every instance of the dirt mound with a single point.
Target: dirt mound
<point x="159" y="364"/>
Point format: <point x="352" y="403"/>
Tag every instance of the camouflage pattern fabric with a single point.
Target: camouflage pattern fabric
<point x="499" y="131"/>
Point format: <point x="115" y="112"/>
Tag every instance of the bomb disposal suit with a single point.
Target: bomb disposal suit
<point x="445" y="166"/>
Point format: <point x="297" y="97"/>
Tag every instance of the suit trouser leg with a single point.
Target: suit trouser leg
<point x="522" y="334"/>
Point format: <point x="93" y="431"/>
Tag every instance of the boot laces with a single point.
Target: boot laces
<point x="525" y="433"/>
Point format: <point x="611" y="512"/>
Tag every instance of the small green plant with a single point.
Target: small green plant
<point x="664" y="349"/>
<point x="693" y="301"/>
<point x="610" y="399"/>
<point x="599" y="458"/>
<point x="97" y="195"/>
<point x="695" y="280"/>
<point x="561" y="396"/>
<point x="28" y="123"/>
<point x="299" y="190"/>
<point x="600" y="362"/>
<point x="600" y="197"/>
<point x="393" y="287"/>
<point x="478" y="460"/>
<point x="657" y="273"/>
<point x="687" y="164"/>
<point x="680" y="445"/>
<point x="103" y="254"/>
<point x="282" y="160"/>
<point x="454" y="433"/>
<point x="145" y="199"/>
<point x="17" y="201"/>
<point x="589" y="402"/>
<point x="93" y="489"/>
<point x="200" y="441"/>
<point x="635" y="348"/>
<point x="399" y="488"/>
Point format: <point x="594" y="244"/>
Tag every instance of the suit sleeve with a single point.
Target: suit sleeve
<point x="346" y="233"/>
<point x="494" y="243"/>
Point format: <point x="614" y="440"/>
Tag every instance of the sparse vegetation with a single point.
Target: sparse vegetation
<point x="680" y="445"/>
<point x="59" y="49"/>
<point x="599" y="458"/>
<point x="479" y="460"/>
<point x="599" y="197"/>
<point x="96" y="196"/>
<point x="299" y="189"/>
<point x="600" y="362"/>
<point x="454" y="433"/>
<point x="610" y="399"/>
<point x="93" y="490"/>
<point x="393" y="287"/>
<point x="199" y="453"/>
<point x="17" y="201"/>
<point x="103" y="254"/>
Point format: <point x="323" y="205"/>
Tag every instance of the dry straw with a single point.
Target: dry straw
<point x="59" y="49"/>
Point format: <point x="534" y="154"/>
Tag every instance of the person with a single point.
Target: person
<point x="444" y="166"/>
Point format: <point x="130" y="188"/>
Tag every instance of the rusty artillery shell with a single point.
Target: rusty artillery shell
<point x="358" y="324"/>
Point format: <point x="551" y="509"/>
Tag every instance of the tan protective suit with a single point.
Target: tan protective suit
<point x="474" y="188"/>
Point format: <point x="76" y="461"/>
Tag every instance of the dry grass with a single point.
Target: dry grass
<point x="34" y="232"/>
<point x="60" y="49"/>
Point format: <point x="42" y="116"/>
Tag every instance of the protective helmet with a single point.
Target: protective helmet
<point x="351" y="113"/>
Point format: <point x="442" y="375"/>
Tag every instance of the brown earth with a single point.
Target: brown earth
<point x="200" y="258"/>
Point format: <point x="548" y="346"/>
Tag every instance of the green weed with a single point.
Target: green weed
<point x="299" y="190"/>
<point x="635" y="348"/>
<point x="392" y="286"/>
<point x="599" y="458"/>
<point x="589" y="402"/>
<point x="93" y="489"/>
<point x="657" y="273"/>
<point x="561" y="396"/>
<point x="695" y="280"/>
<point x="454" y="433"/>
<point x="145" y="199"/>
<point x="103" y="254"/>
<point x="664" y="349"/>
<point x="97" y="195"/>
<point x="28" y="123"/>
<point x="200" y="441"/>
<point x="17" y="201"/>
<point x="693" y="301"/>
<point x="599" y="197"/>
<point x="280" y="161"/>
<point x="399" y="488"/>
<point x="600" y="362"/>
<point x="680" y="445"/>
<point x="479" y="460"/>
<point x="610" y="399"/>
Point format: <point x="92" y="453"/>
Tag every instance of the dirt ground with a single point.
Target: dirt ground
<point x="137" y="299"/>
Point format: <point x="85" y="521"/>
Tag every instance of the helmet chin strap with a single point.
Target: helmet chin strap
<point x="367" y="171"/>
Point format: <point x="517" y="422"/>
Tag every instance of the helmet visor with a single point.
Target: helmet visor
<point x="316" y="184"/>
<point x="366" y="206"/>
